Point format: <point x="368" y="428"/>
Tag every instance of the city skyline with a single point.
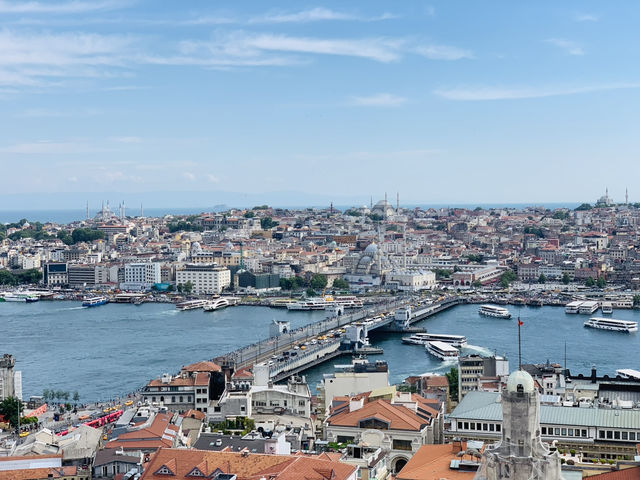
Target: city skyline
<point x="445" y="102"/>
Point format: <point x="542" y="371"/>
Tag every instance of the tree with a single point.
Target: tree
<point x="542" y="278"/>
<point x="566" y="278"/>
<point x="76" y="396"/>
<point x="590" y="282"/>
<point x="507" y="277"/>
<point x="7" y="278"/>
<point x="636" y="301"/>
<point x="310" y="292"/>
<point x="584" y="206"/>
<point x="318" y="281"/>
<point x="11" y="408"/>
<point x="340" y="284"/>
<point x="452" y="377"/>
<point x="249" y="214"/>
<point x="180" y="288"/>
<point x="267" y="223"/>
<point x="601" y="282"/>
<point x="87" y="235"/>
<point x="476" y="284"/>
<point x="187" y="287"/>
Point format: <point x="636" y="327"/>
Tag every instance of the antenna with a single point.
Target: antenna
<point x="565" y="358"/>
<point x="141" y="210"/>
<point x="397" y="202"/>
<point x="520" y="323"/>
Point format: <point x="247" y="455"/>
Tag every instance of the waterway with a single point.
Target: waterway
<point x="115" y="349"/>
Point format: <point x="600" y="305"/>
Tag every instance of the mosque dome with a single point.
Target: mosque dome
<point x="371" y="249"/>
<point x="520" y="378"/>
<point x="196" y="248"/>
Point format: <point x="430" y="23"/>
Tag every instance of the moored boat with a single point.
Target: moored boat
<point x="424" y="338"/>
<point x="612" y="324"/>
<point x="493" y="311"/>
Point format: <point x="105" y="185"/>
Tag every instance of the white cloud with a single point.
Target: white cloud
<point x="128" y="140"/>
<point x="379" y="100"/>
<point x="189" y="176"/>
<point x="569" y="46"/>
<point x="587" y="17"/>
<point x="315" y="15"/>
<point x="517" y="93"/>
<point x="443" y="52"/>
<point x="49" y="148"/>
<point x="212" y="178"/>
<point x="430" y="10"/>
<point x="51" y="7"/>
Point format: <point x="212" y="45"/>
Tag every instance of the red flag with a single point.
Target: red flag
<point x="520" y="322"/>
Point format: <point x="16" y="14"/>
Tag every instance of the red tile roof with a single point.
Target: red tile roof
<point x="399" y="417"/>
<point x="158" y="435"/>
<point x="626" y="474"/>
<point x="204" y="366"/>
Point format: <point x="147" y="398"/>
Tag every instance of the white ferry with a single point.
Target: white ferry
<point x="628" y="373"/>
<point x="95" y="301"/>
<point x="612" y="324"/>
<point x="216" y="304"/>
<point x="442" y="350"/>
<point x="309" y="304"/>
<point x="191" y="304"/>
<point x="322" y="303"/>
<point x="573" y="307"/>
<point x="493" y="311"/>
<point x="607" y="308"/>
<point x="589" y="307"/>
<point x="423" y="338"/>
<point x="20" y="297"/>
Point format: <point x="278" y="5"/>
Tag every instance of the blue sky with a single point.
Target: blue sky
<point x="445" y="102"/>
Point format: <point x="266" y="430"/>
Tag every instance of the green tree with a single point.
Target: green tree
<point x="187" y="287"/>
<point x="340" y="284"/>
<point x="267" y="223"/>
<point x="249" y="214"/>
<point x="375" y="217"/>
<point x="45" y="394"/>
<point x="442" y="273"/>
<point x="601" y="282"/>
<point x="11" y="408"/>
<point x="476" y="284"/>
<point x="584" y="206"/>
<point x="180" y="289"/>
<point x="636" y="300"/>
<point x="507" y="277"/>
<point x="310" y="292"/>
<point x="542" y="278"/>
<point x="566" y="278"/>
<point x="76" y="396"/>
<point x="286" y="283"/>
<point x="7" y="278"/>
<point x="452" y="377"/>
<point x="590" y="282"/>
<point x="87" y="235"/>
<point x="318" y="281"/>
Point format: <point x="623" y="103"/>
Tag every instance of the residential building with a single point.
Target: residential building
<point x="110" y="462"/>
<point x="473" y="368"/>
<point x="157" y="432"/>
<point x="81" y="276"/>
<point x="140" y="276"/>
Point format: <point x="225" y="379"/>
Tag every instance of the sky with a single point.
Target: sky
<point x="441" y="101"/>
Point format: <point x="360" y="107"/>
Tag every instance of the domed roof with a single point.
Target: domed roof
<point x="371" y="249"/>
<point x="195" y="247"/>
<point x="520" y="377"/>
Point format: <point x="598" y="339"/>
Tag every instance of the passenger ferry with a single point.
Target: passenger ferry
<point x="20" y="297"/>
<point x="309" y="304"/>
<point x="324" y="302"/>
<point x="95" y="301"/>
<point x="628" y="373"/>
<point x="442" y="350"/>
<point x="589" y="307"/>
<point x="216" y="304"/>
<point x="607" y="308"/>
<point x="191" y="304"/>
<point x="493" y="311"/>
<point x="573" y="307"/>
<point x="612" y="324"/>
<point x="423" y="338"/>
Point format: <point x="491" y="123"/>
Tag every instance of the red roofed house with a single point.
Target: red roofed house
<point x="173" y="464"/>
<point x="156" y="433"/>
<point x="407" y="422"/>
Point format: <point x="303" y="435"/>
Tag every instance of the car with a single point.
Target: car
<point x="24" y="434"/>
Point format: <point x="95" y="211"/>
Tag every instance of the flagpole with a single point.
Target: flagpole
<point x="519" y="345"/>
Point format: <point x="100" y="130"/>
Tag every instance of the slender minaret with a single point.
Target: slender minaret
<point x="87" y="209"/>
<point x="626" y="196"/>
<point x="141" y="210"/>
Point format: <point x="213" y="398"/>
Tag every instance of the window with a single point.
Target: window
<point x="601" y="434"/>
<point x="625" y="436"/>
<point x="459" y="425"/>
<point x="181" y="399"/>
<point x="173" y="399"/>
<point x="492" y="427"/>
<point x="616" y="435"/>
<point x="485" y="427"/>
<point x="402" y="444"/>
<point x="498" y="427"/>
<point x="544" y="430"/>
<point x="557" y="431"/>
<point x="564" y="432"/>
<point x="301" y="403"/>
<point x="466" y="425"/>
<point x="584" y="433"/>
<point x="609" y="434"/>
<point x="632" y="435"/>
<point x="571" y="432"/>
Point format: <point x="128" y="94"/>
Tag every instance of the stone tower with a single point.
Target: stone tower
<point x="520" y="455"/>
<point x="7" y="363"/>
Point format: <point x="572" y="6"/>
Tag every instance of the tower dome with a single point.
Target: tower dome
<point x="520" y="378"/>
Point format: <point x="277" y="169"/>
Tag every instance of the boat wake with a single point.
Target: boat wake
<point x="71" y="308"/>
<point x="483" y="351"/>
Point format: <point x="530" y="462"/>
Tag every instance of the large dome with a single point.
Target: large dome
<point x="518" y="378"/>
<point x="371" y="249"/>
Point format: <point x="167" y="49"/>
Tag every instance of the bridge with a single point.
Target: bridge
<point x="394" y="316"/>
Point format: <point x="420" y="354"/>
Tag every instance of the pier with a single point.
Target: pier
<point x="395" y="316"/>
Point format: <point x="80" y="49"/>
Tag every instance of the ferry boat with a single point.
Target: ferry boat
<point x="612" y="324"/>
<point x="493" y="311"/>
<point x="191" y="304"/>
<point x="573" y="307"/>
<point x="322" y="303"/>
<point x="20" y="297"/>
<point x="589" y="307"/>
<point x="423" y="338"/>
<point x="95" y="301"/>
<point x="442" y="350"/>
<point x="216" y="304"/>
<point x="309" y="304"/>
<point x="607" y="308"/>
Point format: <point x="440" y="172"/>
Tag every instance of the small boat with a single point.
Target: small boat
<point x="20" y="297"/>
<point x="95" y="301"/>
<point x="191" y="304"/>
<point x="493" y="311"/>
<point x="612" y="324"/>
<point x="442" y="350"/>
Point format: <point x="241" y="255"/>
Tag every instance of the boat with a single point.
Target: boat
<point x="309" y="304"/>
<point x="573" y="307"/>
<point x="442" y="350"/>
<point x="20" y="297"/>
<point x="191" y="304"/>
<point x="612" y="324"/>
<point x="95" y="301"/>
<point x="324" y="302"/>
<point x="589" y="307"/>
<point x="607" y="308"/>
<point x="493" y="311"/>
<point x="423" y="338"/>
<point x="216" y="304"/>
<point x="346" y="301"/>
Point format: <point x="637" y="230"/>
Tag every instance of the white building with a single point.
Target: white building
<point x="206" y="279"/>
<point x="412" y="281"/>
<point x="140" y="276"/>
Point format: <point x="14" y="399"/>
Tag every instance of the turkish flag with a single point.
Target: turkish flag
<point x="520" y="322"/>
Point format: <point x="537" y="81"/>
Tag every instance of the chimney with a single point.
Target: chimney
<point x="356" y="404"/>
<point x="593" y="374"/>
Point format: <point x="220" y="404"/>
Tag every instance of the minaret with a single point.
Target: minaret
<point x="520" y="455"/>
<point x="123" y="210"/>
<point x="626" y="196"/>
<point x="141" y="210"/>
<point x="87" y="209"/>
